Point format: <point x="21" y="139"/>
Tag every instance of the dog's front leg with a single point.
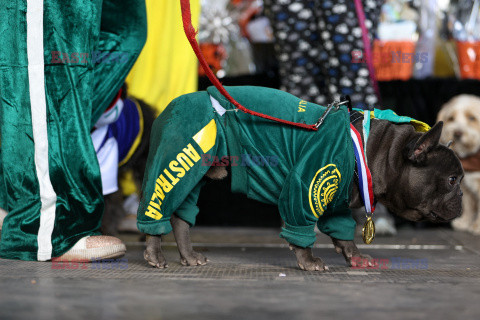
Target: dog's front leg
<point x="306" y="260"/>
<point x="153" y="253"/>
<point x="181" y="231"/>
<point x="352" y="255"/>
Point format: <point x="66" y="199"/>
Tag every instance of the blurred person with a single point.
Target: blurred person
<point x="315" y="42"/>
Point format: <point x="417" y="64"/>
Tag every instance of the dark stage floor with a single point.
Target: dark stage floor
<point x="252" y="275"/>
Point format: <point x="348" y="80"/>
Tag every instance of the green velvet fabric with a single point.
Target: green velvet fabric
<point x="77" y="91"/>
<point x="307" y="174"/>
<point x="167" y="185"/>
<point x="286" y="160"/>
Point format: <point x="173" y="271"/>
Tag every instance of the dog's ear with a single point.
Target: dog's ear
<point x="417" y="150"/>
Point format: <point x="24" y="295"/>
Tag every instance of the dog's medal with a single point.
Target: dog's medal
<point x="364" y="176"/>
<point x="368" y="231"/>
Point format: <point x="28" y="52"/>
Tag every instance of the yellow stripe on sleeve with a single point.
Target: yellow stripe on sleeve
<point x="205" y="138"/>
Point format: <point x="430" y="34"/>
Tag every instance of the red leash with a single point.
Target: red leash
<point x="366" y="45"/>
<point x="191" y="33"/>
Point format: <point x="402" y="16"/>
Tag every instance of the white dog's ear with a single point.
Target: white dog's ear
<point x="442" y="114"/>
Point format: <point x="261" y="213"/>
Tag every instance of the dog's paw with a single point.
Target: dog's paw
<point x="461" y="225"/>
<point x="155" y="259"/>
<point x="475" y="229"/>
<point x="352" y="255"/>
<point x="363" y="261"/>
<point x="194" y="259"/>
<point x="305" y="259"/>
<point x="153" y="252"/>
<point x="313" y="264"/>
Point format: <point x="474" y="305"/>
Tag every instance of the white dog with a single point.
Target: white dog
<point x="461" y="117"/>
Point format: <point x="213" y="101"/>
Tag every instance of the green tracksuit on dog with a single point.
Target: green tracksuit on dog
<point x="308" y="174"/>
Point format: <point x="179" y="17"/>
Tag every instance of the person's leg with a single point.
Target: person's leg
<point x="53" y="184"/>
<point x="297" y="48"/>
<point x="341" y="37"/>
<point x="123" y="33"/>
<point x="314" y="44"/>
<point x="3" y="194"/>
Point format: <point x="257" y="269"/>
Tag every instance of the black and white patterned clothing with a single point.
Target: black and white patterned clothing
<point x="314" y="41"/>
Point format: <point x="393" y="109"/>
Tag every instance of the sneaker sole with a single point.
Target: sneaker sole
<point x="110" y="252"/>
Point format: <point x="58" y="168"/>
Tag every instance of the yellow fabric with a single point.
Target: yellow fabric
<point x="205" y="138"/>
<point x="127" y="183"/>
<point x="167" y="66"/>
<point x="420" y="126"/>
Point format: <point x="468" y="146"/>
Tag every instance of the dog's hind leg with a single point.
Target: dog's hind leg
<point x="181" y="231"/>
<point x="153" y="253"/>
<point x="306" y="260"/>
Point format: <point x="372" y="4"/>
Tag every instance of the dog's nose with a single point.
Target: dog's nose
<point x="457" y="134"/>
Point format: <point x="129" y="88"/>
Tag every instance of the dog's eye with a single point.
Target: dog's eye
<point x="450" y="119"/>
<point x="452" y="180"/>
<point x="472" y="118"/>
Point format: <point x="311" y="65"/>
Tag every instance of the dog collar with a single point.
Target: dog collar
<point x="471" y="163"/>
<point x="390" y="116"/>
<point x="364" y="176"/>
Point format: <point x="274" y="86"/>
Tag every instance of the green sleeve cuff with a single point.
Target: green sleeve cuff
<point x="303" y="236"/>
<point x="338" y="224"/>
<point x="188" y="214"/>
<point x="155" y="228"/>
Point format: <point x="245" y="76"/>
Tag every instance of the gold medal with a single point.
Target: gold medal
<point x="368" y="231"/>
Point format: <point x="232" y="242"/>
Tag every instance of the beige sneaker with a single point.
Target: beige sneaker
<point x="3" y="214"/>
<point x="95" y="248"/>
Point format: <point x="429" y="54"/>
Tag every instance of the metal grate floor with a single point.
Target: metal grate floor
<point x="253" y="275"/>
<point x="266" y="264"/>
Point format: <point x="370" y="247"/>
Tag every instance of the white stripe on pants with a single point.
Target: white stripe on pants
<point x="36" y="79"/>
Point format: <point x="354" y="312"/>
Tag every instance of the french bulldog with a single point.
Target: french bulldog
<point x="413" y="176"/>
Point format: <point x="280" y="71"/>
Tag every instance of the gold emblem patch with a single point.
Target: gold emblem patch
<point x="323" y="188"/>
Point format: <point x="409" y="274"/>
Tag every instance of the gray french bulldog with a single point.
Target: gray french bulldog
<point x="413" y="176"/>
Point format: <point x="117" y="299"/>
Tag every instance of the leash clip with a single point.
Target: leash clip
<point x="334" y="104"/>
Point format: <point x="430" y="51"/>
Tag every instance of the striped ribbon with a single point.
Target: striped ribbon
<point x="364" y="176"/>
